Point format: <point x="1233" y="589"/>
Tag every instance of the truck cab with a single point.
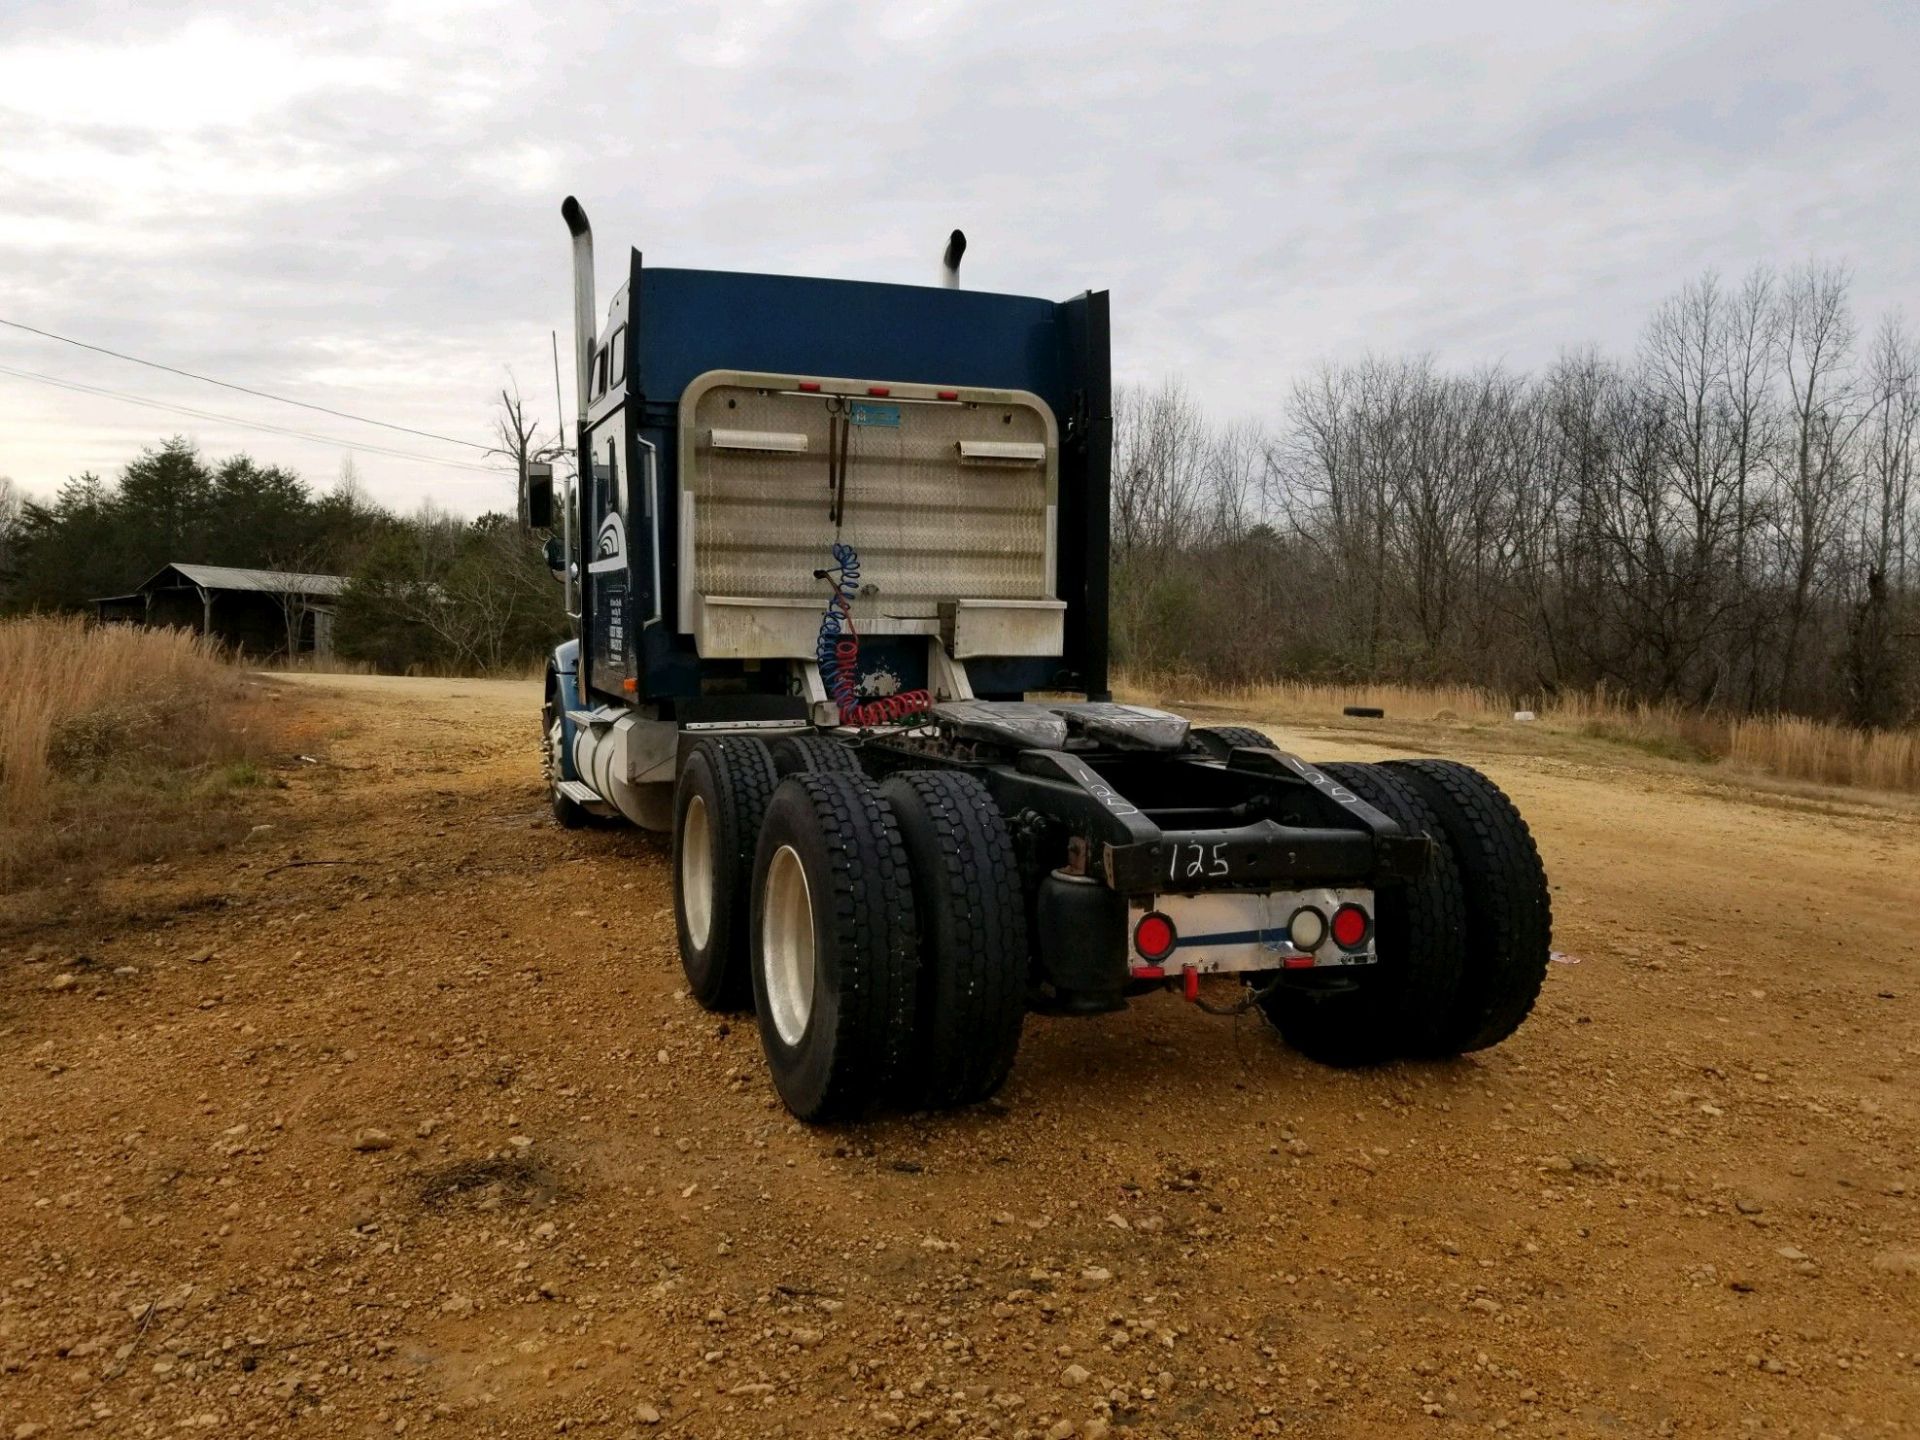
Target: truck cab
<point x="734" y="428"/>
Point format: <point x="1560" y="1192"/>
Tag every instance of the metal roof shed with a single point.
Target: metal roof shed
<point x="264" y="611"/>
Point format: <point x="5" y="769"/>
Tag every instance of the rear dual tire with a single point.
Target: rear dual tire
<point x="834" y="949"/>
<point x="889" y="949"/>
<point x="1388" y="1009"/>
<point x="877" y="931"/>
<point x="718" y="802"/>
<point x="1462" y="947"/>
<point x="1509" y="908"/>
<point x="972" y="991"/>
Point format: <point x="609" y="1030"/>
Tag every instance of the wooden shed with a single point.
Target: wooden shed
<point x="260" y="612"/>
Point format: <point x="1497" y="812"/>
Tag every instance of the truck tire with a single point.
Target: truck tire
<point x="1399" y="1005"/>
<point x="1219" y="741"/>
<point x="971" y="998"/>
<point x="801" y="754"/>
<point x="1509" y="910"/>
<point x="718" y="803"/>
<point x="568" y="813"/>
<point x="834" y="947"/>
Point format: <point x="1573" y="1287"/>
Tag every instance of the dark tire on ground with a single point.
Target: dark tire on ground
<point x="801" y="754"/>
<point x="972" y="991"/>
<point x="1365" y="712"/>
<point x="1420" y="935"/>
<point x="1509" y="909"/>
<point x="834" y="948"/>
<point x="718" y="802"/>
<point x="1218" y="741"/>
<point x="570" y="815"/>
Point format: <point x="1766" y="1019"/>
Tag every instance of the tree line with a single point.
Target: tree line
<point x="1726" y="517"/>
<point x="426" y="591"/>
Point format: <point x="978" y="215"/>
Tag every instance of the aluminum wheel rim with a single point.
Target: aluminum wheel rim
<point x="787" y="960"/>
<point x="696" y="872"/>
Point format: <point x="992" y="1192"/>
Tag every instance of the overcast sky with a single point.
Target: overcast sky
<point x="358" y="206"/>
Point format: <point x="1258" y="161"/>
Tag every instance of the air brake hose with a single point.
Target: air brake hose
<point x="837" y="651"/>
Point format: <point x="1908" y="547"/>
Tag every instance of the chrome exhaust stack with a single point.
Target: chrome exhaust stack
<point x="585" y="323"/>
<point x="584" y="335"/>
<point x="950" y="262"/>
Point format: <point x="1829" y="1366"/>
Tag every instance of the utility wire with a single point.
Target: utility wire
<point x="244" y="390"/>
<point x="354" y="446"/>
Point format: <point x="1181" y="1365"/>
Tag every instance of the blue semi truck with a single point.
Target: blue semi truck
<point x="836" y="560"/>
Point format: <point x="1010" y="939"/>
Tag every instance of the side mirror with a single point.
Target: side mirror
<point x="556" y="555"/>
<point x="540" y="495"/>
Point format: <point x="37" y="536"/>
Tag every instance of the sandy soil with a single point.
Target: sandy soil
<point x="394" y="1119"/>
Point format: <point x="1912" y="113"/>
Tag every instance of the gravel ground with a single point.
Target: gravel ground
<point x="395" y="1119"/>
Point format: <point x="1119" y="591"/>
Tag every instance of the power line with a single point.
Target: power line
<point x="354" y="446"/>
<point x="244" y="390"/>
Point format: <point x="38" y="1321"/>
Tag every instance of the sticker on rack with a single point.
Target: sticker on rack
<point x="862" y="413"/>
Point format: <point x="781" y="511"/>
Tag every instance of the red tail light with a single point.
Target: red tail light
<point x="1351" y="927"/>
<point x="1154" y="937"/>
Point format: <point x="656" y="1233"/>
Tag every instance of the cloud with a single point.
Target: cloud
<point x="210" y="74"/>
<point x="359" y="207"/>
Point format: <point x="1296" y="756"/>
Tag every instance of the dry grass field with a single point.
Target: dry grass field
<point x="1783" y="746"/>
<point x="394" y="1118"/>
<point x="118" y="742"/>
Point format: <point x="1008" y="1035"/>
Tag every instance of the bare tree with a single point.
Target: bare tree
<point x="1727" y="520"/>
<point x="292" y="571"/>
<point x="1748" y="350"/>
<point x="519" y="437"/>
<point x="1698" y="514"/>
<point x="9" y="521"/>
<point x="1893" y="416"/>
<point x="476" y="589"/>
<point x="1814" y="340"/>
<point x="1337" y="493"/>
<point x="1159" y="511"/>
<point x="1873" y="660"/>
<point x="1236" y="480"/>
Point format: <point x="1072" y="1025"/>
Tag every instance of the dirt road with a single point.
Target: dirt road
<point x="395" y="1120"/>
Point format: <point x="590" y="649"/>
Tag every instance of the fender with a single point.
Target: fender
<point x="563" y="674"/>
